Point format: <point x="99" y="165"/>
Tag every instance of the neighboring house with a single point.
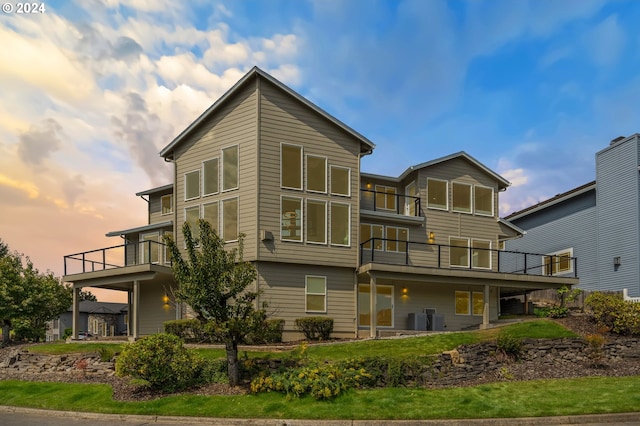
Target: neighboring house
<point x="101" y="319"/>
<point x="598" y="222"/>
<point x="325" y="238"/>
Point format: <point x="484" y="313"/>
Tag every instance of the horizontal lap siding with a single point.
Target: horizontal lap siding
<point x="155" y="209"/>
<point x="153" y="314"/>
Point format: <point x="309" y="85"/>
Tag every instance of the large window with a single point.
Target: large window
<point x="478" y="302"/>
<point x="191" y="216"/>
<point x="396" y="239"/>
<point x="192" y="185"/>
<point x="483" y="200"/>
<point x="463" y="302"/>
<point x="291" y="214"/>
<point x="149" y="247"/>
<point x="166" y="204"/>
<point x="291" y="166"/>
<point x="230" y="168"/>
<point x="410" y="199"/>
<point x="437" y="194"/>
<point x="340" y="181"/>
<point x="481" y="254"/>
<point x="210" y="214"/>
<point x="384" y="305"/>
<point x="368" y="231"/>
<point x="315" y="294"/>
<point x="559" y="262"/>
<point x="385" y="197"/>
<point x="210" y="177"/>
<point x="316" y="173"/>
<point x="340" y="224"/>
<point x="461" y="197"/>
<point x="230" y="219"/>
<point x="317" y="221"/>
<point x="459" y="252"/>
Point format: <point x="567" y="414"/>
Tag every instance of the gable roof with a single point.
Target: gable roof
<point x="366" y="145"/>
<point x="553" y="200"/>
<point x="162" y="188"/>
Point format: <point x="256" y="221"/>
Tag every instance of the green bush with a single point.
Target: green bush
<point x="162" y="361"/>
<point x="315" y="328"/>
<point x="509" y="345"/>
<point x="270" y="332"/>
<point x="189" y="330"/>
<point x="67" y="333"/>
<point x="611" y="311"/>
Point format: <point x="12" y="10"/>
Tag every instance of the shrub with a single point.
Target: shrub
<point x="67" y="333"/>
<point x="595" y="348"/>
<point x="270" y="332"/>
<point x="315" y="328"/>
<point x="558" y="312"/>
<point x="162" y="361"/>
<point x="509" y="345"/>
<point x="189" y="330"/>
<point x="611" y="311"/>
<point x="106" y="354"/>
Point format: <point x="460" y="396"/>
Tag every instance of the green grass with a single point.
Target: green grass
<point x="71" y="348"/>
<point x="499" y="400"/>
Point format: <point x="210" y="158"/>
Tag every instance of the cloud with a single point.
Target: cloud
<point x="40" y="141"/>
<point x="606" y="42"/>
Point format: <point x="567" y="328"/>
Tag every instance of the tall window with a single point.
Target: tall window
<point x="317" y="221"/>
<point x="291" y="166"/>
<point x="166" y="204"/>
<point x="210" y="177"/>
<point x="230" y="168"/>
<point x="384" y="305"/>
<point x="315" y="294"/>
<point x="340" y="224"/>
<point x="558" y="262"/>
<point x="385" y="197"/>
<point x="481" y="254"/>
<point x="210" y="214"/>
<point x="167" y="253"/>
<point x="230" y="219"/>
<point x="316" y="173"/>
<point x="463" y="303"/>
<point x="461" y="197"/>
<point x="478" y="302"/>
<point x="340" y="181"/>
<point x="191" y="216"/>
<point x="149" y="247"/>
<point x="410" y="200"/>
<point x="437" y="194"/>
<point x="483" y="200"/>
<point x="192" y="185"/>
<point x="368" y="231"/>
<point x="396" y="239"/>
<point x="459" y="252"/>
<point x="291" y="223"/>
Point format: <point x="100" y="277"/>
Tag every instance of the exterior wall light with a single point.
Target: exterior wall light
<point x="432" y="237"/>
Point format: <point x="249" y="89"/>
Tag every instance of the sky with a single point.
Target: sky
<point x="91" y="91"/>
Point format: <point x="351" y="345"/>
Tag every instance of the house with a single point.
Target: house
<point x="598" y="222"/>
<point x="419" y="251"/>
<point x="101" y="319"/>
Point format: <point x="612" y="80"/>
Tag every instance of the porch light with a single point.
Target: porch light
<point x="165" y="299"/>
<point x="404" y="291"/>
<point x="368" y="185"/>
<point x="432" y="237"/>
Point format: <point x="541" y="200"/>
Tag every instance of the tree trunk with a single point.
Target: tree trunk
<point x="233" y="370"/>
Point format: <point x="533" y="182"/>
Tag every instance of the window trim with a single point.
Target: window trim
<point x="202" y="215"/>
<point x="371" y="226"/>
<point x="143" y="246"/>
<point x="302" y="221"/>
<point x="222" y="202"/>
<point x="301" y="166"/>
<point x="465" y="247"/>
<point x="170" y="204"/>
<point x="473" y="249"/>
<point x="326" y="163"/>
<point x="306" y="293"/>
<point x="392" y="292"/>
<point x="556" y="253"/>
<point x="453" y="199"/>
<point x="217" y="191"/>
<point x="446" y="192"/>
<point x="185" y="185"/>
<point x="386" y="194"/>
<point x="348" y="169"/>
<point x="197" y="231"/>
<point x="348" y="205"/>
<point x="398" y="241"/>
<point x="237" y="146"/>
<point x="475" y="208"/>
<point x="306" y="218"/>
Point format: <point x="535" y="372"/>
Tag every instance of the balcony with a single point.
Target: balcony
<point x="378" y="204"/>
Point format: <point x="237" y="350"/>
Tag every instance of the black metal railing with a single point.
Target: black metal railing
<point x="401" y="202"/>
<point x="412" y="253"/>
<point x="139" y="253"/>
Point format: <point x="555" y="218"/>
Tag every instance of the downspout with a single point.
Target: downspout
<point x="258" y="187"/>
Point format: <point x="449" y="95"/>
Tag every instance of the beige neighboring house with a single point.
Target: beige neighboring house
<point x="420" y="251"/>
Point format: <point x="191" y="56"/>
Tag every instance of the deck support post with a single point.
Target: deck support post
<point x="373" y="307"/>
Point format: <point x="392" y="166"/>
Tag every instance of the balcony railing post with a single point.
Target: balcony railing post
<point x="575" y="267"/>
<point x="373" y="248"/>
<point x="406" y="253"/>
<point x="104" y="259"/>
<point x="439" y="253"/>
<point x="470" y="258"/>
<point x="526" y="271"/>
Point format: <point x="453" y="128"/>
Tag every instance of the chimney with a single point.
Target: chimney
<point x="616" y="140"/>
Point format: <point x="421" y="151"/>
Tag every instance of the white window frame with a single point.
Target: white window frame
<point x="554" y="271"/>
<point x="348" y="223"/>
<point x="469" y="303"/>
<point x="473" y="252"/>
<point x="475" y="208"/>
<point x="398" y="242"/>
<point x="446" y="193"/>
<point x="451" y="246"/>
<point x="222" y="202"/>
<point x="307" y="227"/>
<point x="162" y="213"/>
<point x="392" y="292"/>
<point x="382" y="189"/>
<point x="195" y="230"/>
<point x="216" y="225"/>
<point x="204" y="193"/>
<point x="185" y="185"/>
<point x="301" y="166"/>
<point x="326" y="162"/>
<point x="166" y="252"/>
<point x="453" y="198"/>
<point x="379" y="243"/>
<point x="222" y="151"/>
<point x="410" y="203"/>
<point x="306" y="292"/>
<point x="302" y="235"/>
<point x="339" y="194"/>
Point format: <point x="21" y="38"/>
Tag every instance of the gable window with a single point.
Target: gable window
<point x="191" y="216"/>
<point x="210" y="214"/>
<point x="340" y="224"/>
<point x="437" y="194"/>
<point x="192" y="185"/>
<point x="397" y="238"/>
<point x="317" y="221"/>
<point x="481" y="254"/>
<point x="559" y="262"/>
<point x="483" y="200"/>
<point x="340" y="181"/>
<point x="230" y="168"/>
<point x="461" y="197"/>
<point x="166" y="204"/>
<point x="368" y="231"/>
<point x="316" y="173"/>
<point x="230" y="219"/>
<point x="291" y="219"/>
<point x="210" y="177"/>
<point x="291" y="166"/>
<point x="315" y="290"/>
<point x="459" y="252"/>
<point x="385" y="197"/>
<point x="463" y="303"/>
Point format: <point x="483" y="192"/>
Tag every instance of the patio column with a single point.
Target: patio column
<point x="136" y="310"/>
<point x="75" y="315"/>
<point x="373" y="306"/>
<point x="485" y="311"/>
<point x="130" y="312"/>
<point x="526" y="303"/>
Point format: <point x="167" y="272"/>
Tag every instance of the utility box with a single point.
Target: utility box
<point x="436" y="323"/>
<point x="417" y="321"/>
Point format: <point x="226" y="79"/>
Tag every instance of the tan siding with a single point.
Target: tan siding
<point x="153" y="313"/>
<point x="155" y="209"/>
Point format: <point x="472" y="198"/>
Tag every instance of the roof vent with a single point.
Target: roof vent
<point x="618" y="139"/>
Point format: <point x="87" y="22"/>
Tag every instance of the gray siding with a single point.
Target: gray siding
<point x="155" y="208"/>
<point x="153" y="313"/>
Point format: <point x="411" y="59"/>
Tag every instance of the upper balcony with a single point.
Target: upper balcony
<point x="388" y="204"/>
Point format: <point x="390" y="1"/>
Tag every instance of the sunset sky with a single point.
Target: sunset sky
<point x="92" y="90"/>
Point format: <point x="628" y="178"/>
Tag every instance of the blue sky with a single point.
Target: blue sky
<point x="93" y="90"/>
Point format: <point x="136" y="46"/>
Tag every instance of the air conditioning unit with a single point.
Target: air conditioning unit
<point x="417" y="321"/>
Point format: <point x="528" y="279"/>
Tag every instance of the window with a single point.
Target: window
<point x="167" y="253"/>
<point x="481" y="254"/>
<point x="437" y="194"/>
<point x="317" y="221"/>
<point x="463" y="302"/>
<point x="385" y="197"/>
<point x="395" y="238"/>
<point x="230" y="219"/>
<point x="478" y="303"/>
<point x="384" y="305"/>
<point x="230" y="168"/>
<point x="368" y="231"/>
<point x="210" y="214"/>
<point x="461" y="197"/>
<point x="191" y="216"/>
<point x="210" y="177"/>
<point x="483" y="198"/>
<point x="291" y="166"/>
<point x="166" y="204"/>
<point x="558" y="262"/>
<point x="291" y="214"/>
<point x="340" y="181"/>
<point x="192" y="185"/>
<point x="340" y="224"/>
<point x="316" y="173"/>
<point x="410" y="199"/>
<point x="315" y="294"/>
<point x="459" y="252"/>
